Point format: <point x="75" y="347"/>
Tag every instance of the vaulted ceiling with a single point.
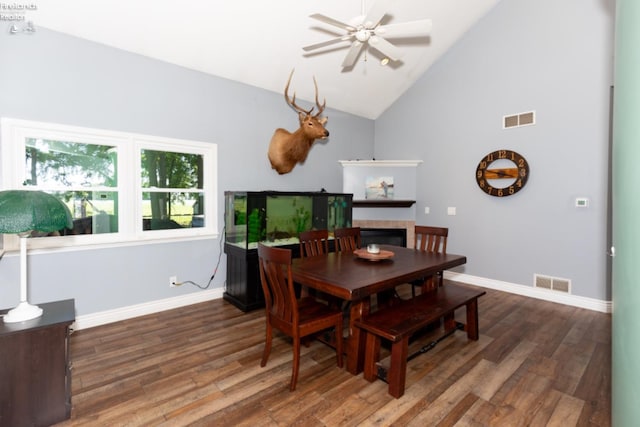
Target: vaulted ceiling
<point x="259" y="42"/>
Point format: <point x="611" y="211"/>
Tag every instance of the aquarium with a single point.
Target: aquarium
<point x="277" y="218"/>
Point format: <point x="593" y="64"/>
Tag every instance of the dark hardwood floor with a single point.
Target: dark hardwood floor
<point x="536" y="364"/>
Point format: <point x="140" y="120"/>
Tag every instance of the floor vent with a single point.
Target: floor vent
<point x="552" y="283"/>
<point x="517" y="120"/>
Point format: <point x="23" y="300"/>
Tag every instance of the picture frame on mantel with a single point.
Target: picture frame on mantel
<point x="379" y="188"/>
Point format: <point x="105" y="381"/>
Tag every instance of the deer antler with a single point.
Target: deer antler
<point x="320" y="107"/>
<point x="292" y="102"/>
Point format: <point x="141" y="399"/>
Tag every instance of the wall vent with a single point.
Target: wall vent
<point x="552" y="283"/>
<point x="520" y="119"/>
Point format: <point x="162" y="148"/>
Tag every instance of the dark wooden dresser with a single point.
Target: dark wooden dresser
<point x="35" y="372"/>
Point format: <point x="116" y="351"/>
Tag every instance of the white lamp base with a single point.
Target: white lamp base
<point x="23" y="311"/>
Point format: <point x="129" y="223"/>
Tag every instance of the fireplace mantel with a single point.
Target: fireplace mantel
<point x="383" y="203"/>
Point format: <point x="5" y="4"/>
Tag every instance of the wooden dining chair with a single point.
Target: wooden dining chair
<point x="430" y="239"/>
<point x="314" y="242"/>
<point x="295" y="318"/>
<point x="347" y="239"/>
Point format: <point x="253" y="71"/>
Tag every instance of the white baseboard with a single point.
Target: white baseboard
<point x="115" y="315"/>
<point x="532" y="292"/>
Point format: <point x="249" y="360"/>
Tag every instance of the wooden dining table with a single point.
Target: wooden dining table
<point x="355" y="279"/>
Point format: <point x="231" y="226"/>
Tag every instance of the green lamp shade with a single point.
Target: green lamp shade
<point x="24" y="210"/>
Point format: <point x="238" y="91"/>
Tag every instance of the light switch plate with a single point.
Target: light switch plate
<point x="451" y="210"/>
<point x="582" y="202"/>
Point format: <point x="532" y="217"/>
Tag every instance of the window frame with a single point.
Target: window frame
<point x="13" y="134"/>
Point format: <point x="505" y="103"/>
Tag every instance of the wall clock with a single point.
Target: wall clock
<point x="508" y="175"/>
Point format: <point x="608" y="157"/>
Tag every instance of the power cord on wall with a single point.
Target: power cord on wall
<point x="215" y="271"/>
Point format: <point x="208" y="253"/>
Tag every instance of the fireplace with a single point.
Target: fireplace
<point x="406" y="228"/>
<point x="384" y="236"/>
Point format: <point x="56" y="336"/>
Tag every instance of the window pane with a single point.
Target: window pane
<point x="59" y="164"/>
<point x="93" y="212"/>
<point x="70" y="164"/>
<point x="163" y="169"/>
<point x="165" y="210"/>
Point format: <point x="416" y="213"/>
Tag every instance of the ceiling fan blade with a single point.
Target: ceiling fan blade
<point x="376" y="13"/>
<point x="326" y="43"/>
<point x="352" y="55"/>
<point x="322" y="18"/>
<point x="386" y="48"/>
<point x="406" y="29"/>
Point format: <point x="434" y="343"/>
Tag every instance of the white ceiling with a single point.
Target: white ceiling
<point x="258" y="42"/>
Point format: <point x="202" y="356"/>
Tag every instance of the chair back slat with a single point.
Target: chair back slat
<point x="347" y="239"/>
<point x="314" y="242"/>
<point x="277" y="283"/>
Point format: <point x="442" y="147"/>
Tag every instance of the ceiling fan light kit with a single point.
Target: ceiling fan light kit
<point x="367" y="31"/>
<point x="363" y="35"/>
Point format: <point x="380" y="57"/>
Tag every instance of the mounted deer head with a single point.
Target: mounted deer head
<point x="287" y="149"/>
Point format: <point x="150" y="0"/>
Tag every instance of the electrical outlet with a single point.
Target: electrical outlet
<point x="173" y="281"/>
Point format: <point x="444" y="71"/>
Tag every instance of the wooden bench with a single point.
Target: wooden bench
<point x="399" y="321"/>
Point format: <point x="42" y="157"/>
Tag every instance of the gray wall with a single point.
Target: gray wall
<point x="554" y="57"/>
<point x="51" y="77"/>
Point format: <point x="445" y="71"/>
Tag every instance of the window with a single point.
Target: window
<point x="172" y="193"/>
<point x="119" y="187"/>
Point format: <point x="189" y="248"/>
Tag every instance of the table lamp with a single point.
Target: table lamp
<point x="21" y="212"/>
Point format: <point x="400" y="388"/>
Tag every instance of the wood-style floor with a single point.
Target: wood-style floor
<point x="536" y="364"/>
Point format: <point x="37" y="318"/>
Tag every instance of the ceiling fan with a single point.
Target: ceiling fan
<point x="366" y="30"/>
